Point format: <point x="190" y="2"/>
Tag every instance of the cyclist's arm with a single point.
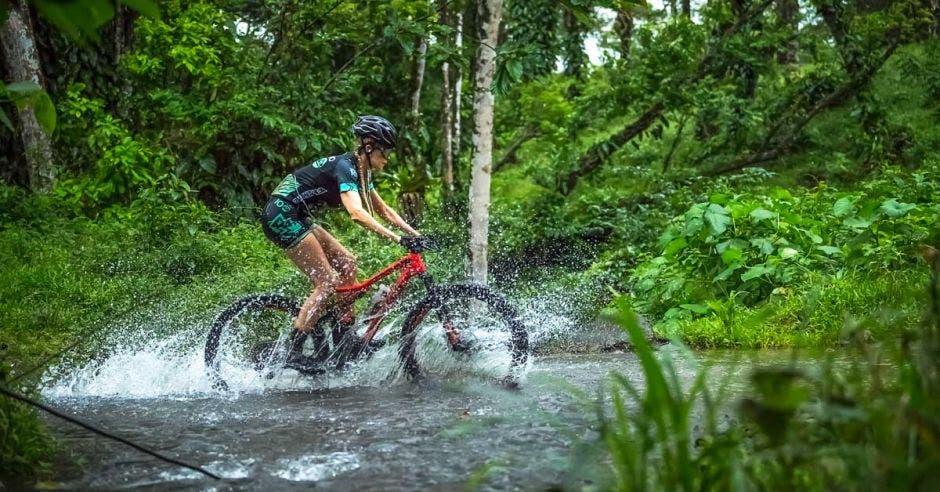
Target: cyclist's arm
<point x="390" y="215"/>
<point x="353" y="205"/>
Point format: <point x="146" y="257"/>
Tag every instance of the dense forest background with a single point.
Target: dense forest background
<point x="751" y="173"/>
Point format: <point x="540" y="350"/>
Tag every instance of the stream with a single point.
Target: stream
<point x="344" y="433"/>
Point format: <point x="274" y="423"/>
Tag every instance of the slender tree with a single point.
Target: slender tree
<point x="447" y="122"/>
<point x="417" y="78"/>
<point x="458" y="92"/>
<point x="488" y="30"/>
<point x="412" y="201"/>
<point x="22" y="65"/>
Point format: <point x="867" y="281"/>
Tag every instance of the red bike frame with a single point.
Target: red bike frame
<point x="411" y="266"/>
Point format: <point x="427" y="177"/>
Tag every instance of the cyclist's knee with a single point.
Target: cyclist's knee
<point x="348" y="267"/>
<point x="327" y="283"/>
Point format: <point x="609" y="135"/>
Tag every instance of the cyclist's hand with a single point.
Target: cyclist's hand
<point x="417" y="244"/>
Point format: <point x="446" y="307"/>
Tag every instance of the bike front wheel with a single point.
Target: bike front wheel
<point x="463" y="324"/>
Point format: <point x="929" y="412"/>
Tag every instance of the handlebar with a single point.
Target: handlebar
<point x="418" y="244"/>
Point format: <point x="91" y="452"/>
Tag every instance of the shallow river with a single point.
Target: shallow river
<point x="443" y="434"/>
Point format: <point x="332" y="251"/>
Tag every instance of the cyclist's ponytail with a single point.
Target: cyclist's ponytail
<point x="365" y="177"/>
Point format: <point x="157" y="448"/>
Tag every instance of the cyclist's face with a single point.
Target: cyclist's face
<point x="379" y="158"/>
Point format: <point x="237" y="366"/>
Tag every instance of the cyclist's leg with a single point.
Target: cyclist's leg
<point x="341" y="260"/>
<point x="310" y="258"/>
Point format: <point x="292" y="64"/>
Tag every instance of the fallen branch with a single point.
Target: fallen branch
<point x="47" y="409"/>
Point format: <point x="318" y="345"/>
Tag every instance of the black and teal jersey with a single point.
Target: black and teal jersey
<point x="321" y="182"/>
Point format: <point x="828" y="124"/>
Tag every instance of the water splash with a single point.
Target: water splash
<point x="315" y="467"/>
<point x="149" y="364"/>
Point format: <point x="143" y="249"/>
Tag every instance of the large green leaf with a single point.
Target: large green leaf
<point x="726" y="273"/>
<point x="79" y="19"/>
<point x="695" y="308"/>
<point x="30" y="94"/>
<point x="843" y="206"/>
<point x="22" y="88"/>
<point x="787" y="253"/>
<point x="674" y="246"/>
<point x="731" y="256"/>
<point x="892" y="208"/>
<point x="829" y="250"/>
<point x="756" y="271"/>
<point x="857" y="222"/>
<point x="717" y="217"/>
<point x="763" y="244"/>
<point x="760" y="213"/>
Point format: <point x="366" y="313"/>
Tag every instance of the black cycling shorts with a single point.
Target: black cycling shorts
<point x="284" y="223"/>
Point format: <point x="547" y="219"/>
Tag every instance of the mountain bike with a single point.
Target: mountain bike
<point x="464" y="320"/>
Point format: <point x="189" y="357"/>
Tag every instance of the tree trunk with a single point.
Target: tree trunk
<point x="413" y="201"/>
<point x="447" y="125"/>
<point x="489" y="13"/>
<point x="687" y="9"/>
<point x="787" y="11"/>
<point x="417" y="78"/>
<point x="22" y="65"/>
<point x="832" y="12"/>
<point x="458" y="92"/>
<point x="935" y="8"/>
<point x="623" y="26"/>
<point x="573" y="46"/>
<point x="600" y="151"/>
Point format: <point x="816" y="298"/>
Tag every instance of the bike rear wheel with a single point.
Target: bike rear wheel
<point x="253" y="332"/>
<point x="465" y="321"/>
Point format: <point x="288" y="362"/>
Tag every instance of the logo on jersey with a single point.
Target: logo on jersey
<point x="288" y="186"/>
<point x="319" y="163"/>
<point x="314" y="192"/>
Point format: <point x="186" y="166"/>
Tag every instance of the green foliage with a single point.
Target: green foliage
<point x="123" y="164"/>
<point x="811" y="314"/>
<point x="749" y="244"/>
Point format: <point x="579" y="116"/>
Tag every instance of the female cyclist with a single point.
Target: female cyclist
<point x="341" y="180"/>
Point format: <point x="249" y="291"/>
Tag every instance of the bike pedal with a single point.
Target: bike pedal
<point x="464" y="346"/>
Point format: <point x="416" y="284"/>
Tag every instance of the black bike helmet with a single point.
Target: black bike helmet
<point x="378" y="129"/>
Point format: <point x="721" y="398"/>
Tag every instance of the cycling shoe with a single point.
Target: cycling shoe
<point x="303" y="364"/>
